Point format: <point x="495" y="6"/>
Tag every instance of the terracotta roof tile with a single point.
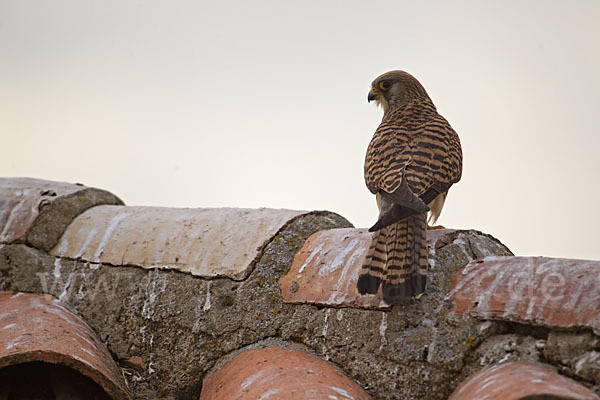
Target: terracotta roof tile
<point x="325" y="270"/>
<point x="39" y="210"/>
<point x="39" y="328"/>
<point x="206" y="242"/>
<point x="520" y="380"/>
<point x="279" y="372"/>
<point x="553" y="292"/>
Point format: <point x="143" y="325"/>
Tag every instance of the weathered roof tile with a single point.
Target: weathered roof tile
<point x="325" y="270"/>
<point x="39" y="328"/>
<point x="38" y="211"/>
<point x="207" y="242"/>
<point x="553" y="292"/>
<point x="279" y="372"/>
<point x="520" y="380"/>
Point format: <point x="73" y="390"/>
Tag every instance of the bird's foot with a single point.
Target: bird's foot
<point x="434" y="227"/>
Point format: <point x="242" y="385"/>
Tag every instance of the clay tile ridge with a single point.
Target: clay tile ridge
<point x="205" y="242"/>
<point x="279" y="371"/>
<point x="520" y="380"/>
<point x="553" y="292"/>
<point x="39" y="328"/>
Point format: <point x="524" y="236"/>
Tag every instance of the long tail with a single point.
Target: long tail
<point x="398" y="258"/>
<point x="373" y="269"/>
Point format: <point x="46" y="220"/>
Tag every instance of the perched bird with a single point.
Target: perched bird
<point x="413" y="159"/>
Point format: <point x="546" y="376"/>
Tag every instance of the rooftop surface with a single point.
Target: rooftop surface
<point x="165" y="303"/>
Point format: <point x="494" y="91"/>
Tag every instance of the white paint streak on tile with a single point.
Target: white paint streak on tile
<point x="87" y="340"/>
<point x="86" y="362"/>
<point x="90" y="353"/>
<point x="357" y="255"/>
<point x="341" y="391"/>
<point x="6" y="234"/>
<point x="107" y="234"/>
<point x="339" y="260"/>
<point x="312" y="255"/>
<point x="90" y="236"/>
<point x="338" y="294"/>
<point x="62" y="248"/>
<point x="252" y="378"/>
<point x="63" y="313"/>
<point x="269" y="393"/>
<point x="13" y="344"/>
<point x="347" y="257"/>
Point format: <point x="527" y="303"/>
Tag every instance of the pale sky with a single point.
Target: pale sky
<point x="263" y="104"/>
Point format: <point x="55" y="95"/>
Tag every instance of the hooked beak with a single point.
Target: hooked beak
<point x="373" y="94"/>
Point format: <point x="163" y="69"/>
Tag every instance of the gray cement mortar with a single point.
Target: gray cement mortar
<point x="181" y="325"/>
<point x="57" y="214"/>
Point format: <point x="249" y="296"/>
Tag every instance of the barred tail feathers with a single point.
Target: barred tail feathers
<point x="406" y="270"/>
<point x="373" y="269"/>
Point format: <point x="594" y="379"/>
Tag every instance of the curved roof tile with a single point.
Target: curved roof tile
<point x="325" y="270"/>
<point x="206" y="242"/>
<point x="279" y="372"/>
<point x="39" y="328"/>
<point x="38" y="211"/>
<point x="553" y="292"/>
<point x="520" y="380"/>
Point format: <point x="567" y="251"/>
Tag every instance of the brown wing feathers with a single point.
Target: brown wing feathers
<point x="400" y="204"/>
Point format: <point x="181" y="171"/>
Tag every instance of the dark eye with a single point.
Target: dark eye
<point x="384" y="85"/>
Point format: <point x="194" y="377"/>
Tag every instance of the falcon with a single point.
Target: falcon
<point x="413" y="159"/>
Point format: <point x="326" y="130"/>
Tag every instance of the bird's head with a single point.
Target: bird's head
<point x="394" y="89"/>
